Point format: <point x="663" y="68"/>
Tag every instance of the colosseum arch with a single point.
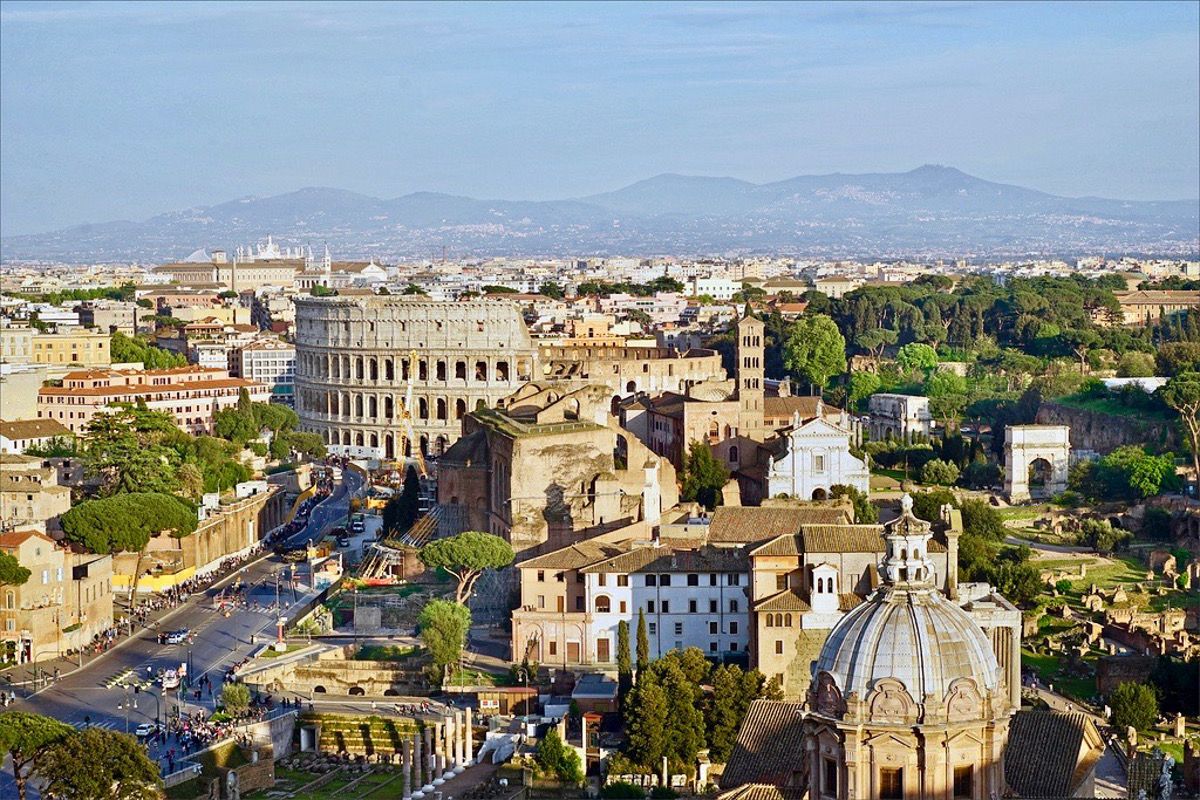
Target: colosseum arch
<point x="1036" y="461"/>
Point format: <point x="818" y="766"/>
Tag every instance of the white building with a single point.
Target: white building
<point x="719" y="288"/>
<point x="813" y="457"/>
<point x="271" y="362"/>
<point x="899" y="416"/>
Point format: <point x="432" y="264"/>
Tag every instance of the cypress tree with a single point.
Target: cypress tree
<point x="624" y="661"/>
<point x="643" y="645"/>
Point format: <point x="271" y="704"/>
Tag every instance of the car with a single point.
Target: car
<point x="170" y="679"/>
<point x="145" y="729"/>
<point x="343" y="541"/>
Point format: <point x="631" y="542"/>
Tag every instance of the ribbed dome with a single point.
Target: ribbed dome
<point x="917" y="637"/>
<point x="908" y="630"/>
<point x="710" y="392"/>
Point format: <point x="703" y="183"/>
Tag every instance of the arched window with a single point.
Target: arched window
<point x="770" y="621"/>
<point x="422" y="411"/>
<point x="481" y="371"/>
<point x="374" y="440"/>
<point x="374" y="369"/>
<point x="389" y="407"/>
<point x="631" y="387"/>
<point x="460" y="370"/>
<point x="358" y="405"/>
<point x="502" y="370"/>
<point x="372" y="406"/>
<point x="603" y="604"/>
<point x="358" y="439"/>
<point x="422" y="370"/>
<point x="787" y="621"/>
<point x="441" y="408"/>
<point x="389" y="369"/>
<point x="733" y="454"/>
<point x="460" y="408"/>
<point x="358" y="368"/>
<point x="441" y="370"/>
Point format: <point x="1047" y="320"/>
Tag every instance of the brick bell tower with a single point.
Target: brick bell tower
<point x="750" y="376"/>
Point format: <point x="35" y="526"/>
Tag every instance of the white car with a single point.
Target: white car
<point x="177" y="637"/>
<point x="170" y="679"/>
<point x="145" y="729"/>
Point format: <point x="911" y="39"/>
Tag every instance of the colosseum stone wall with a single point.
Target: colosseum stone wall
<point x="357" y="356"/>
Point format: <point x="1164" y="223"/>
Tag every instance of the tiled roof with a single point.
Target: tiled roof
<point x="122" y="390"/>
<point x="850" y="539"/>
<point x="787" y="600"/>
<point x="32" y="428"/>
<point x="762" y="791"/>
<point x="745" y="524"/>
<point x="786" y="545"/>
<point x="1043" y="755"/>
<point x="767" y="746"/>
<point x="574" y="556"/>
<point x="17" y="538"/>
<point x="849" y="600"/>
<point x="808" y="407"/>
<point x="670" y="559"/>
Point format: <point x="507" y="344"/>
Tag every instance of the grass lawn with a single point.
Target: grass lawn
<point x="1109" y="405"/>
<point x="1048" y="669"/>
<point x="1118" y="571"/>
<point x="475" y="677"/>
<point x="1022" y="512"/>
<point x="386" y="652"/>
<point x="270" y="652"/>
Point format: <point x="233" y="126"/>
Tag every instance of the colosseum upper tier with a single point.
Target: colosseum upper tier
<point x="356" y="358"/>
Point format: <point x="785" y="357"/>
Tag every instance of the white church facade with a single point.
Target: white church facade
<point x="811" y="458"/>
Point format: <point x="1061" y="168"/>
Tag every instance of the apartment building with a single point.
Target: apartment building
<point x="17" y="436"/>
<point x="82" y="347"/>
<point x="192" y="395"/>
<point x="271" y="362"/>
<point x="30" y="496"/>
<point x="66" y="601"/>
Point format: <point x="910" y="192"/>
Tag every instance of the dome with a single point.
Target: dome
<point x="908" y="631"/>
<point x="919" y="638"/>
<point x="710" y="392"/>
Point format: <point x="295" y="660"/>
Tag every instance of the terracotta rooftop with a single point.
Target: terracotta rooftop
<point x="850" y="539"/>
<point x="766" y="747"/>
<point x="1044" y="759"/>
<point x="763" y="791"/>
<point x="746" y="524"/>
<point x="32" y="428"/>
<point x="574" y="556"/>
<point x="671" y="559"/>
<point x="787" y="600"/>
<point x="808" y="407"/>
<point x="10" y="539"/>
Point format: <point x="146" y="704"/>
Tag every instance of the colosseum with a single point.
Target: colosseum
<point x="356" y="358"/>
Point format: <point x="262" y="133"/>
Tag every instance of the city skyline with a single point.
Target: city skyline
<point x="172" y="107"/>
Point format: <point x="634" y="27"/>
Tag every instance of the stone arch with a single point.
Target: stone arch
<point x="374" y="440"/>
<point x="631" y="387"/>
<point x="357" y="691"/>
<point x="460" y="408"/>
<point x="440" y="445"/>
<point x="1046" y="446"/>
<point x="819" y="494"/>
<point x="440" y="369"/>
<point x="319" y="689"/>
<point x="460" y="370"/>
<point x="390" y="693"/>
<point x="389" y="447"/>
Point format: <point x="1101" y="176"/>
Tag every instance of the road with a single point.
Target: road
<point x="92" y="694"/>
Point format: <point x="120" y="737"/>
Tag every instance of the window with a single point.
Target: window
<point x="712" y="627"/>
<point x="712" y="647"/>
<point x="781" y="581"/>
<point x="712" y="579"/>
<point x="733" y="606"/>
<point x="693" y="579"/>
<point x="553" y="648"/>
<point x="603" y="604"/>
<point x="622" y="606"/>
<point x="666" y="607"/>
<point x="964" y="782"/>
<point x="829" y="777"/>
<point x="679" y="629"/>
<point x="779" y="647"/>
<point x="579" y="602"/>
<point x="735" y="579"/>
<point x="45" y="576"/>
<point x="58" y="574"/>
<point x="891" y="783"/>
<point x="733" y="629"/>
<point x="622" y="580"/>
<point x="664" y="580"/>
<point x="712" y="606"/>
<point x="649" y="606"/>
<point x="818" y="463"/>
<point x="691" y="606"/>
<point x="651" y="580"/>
<point x="541" y="601"/>
<point x="541" y="576"/>
<point x="652" y="628"/>
<point x="602" y="579"/>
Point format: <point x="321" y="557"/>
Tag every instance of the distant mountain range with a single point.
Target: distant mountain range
<point x="931" y="211"/>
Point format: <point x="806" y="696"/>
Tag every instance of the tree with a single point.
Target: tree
<point x="624" y="660"/>
<point x="11" y="571"/>
<point x="1102" y="536"/>
<point x="101" y="765"/>
<point x="26" y="737"/>
<point x="865" y="513"/>
<point x="939" y="472"/>
<point x="685" y="719"/>
<point x="862" y="385"/>
<point x="401" y="510"/>
<point x="1134" y="705"/>
<point x="875" y="340"/>
<point x="643" y="645"/>
<point x="815" y="350"/>
<point x="552" y="290"/>
<point x="558" y="760"/>
<point x="916" y="357"/>
<point x="646" y="722"/>
<point x="125" y="522"/>
<point x="309" y="445"/>
<point x="947" y="393"/>
<point x="466" y="556"/>
<point x="1182" y="393"/>
<point x="133" y="449"/>
<point x="444" y="626"/>
<point x="1079" y="342"/>
<point x="1135" y="365"/>
<point x="235" y="697"/>
<point x="704" y="476"/>
<point x="723" y="718"/>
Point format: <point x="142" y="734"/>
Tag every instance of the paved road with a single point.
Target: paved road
<point x="219" y="643"/>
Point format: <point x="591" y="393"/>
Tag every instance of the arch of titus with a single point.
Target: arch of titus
<point x="1047" y="449"/>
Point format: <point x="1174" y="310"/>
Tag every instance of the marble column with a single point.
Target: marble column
<point x="418" y="773"/>
<point x="406" y="783"/>
<point x="470" y="741"/>
<point x="460" y="760"/>
<point x="430" y="759"/>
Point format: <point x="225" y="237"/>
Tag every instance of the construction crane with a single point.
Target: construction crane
<point x="407" y="435"/>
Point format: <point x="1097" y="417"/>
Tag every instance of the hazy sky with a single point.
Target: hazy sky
<point x="123" y="111"/>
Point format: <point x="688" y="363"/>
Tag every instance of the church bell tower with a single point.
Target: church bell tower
<point x="750" y="376"/>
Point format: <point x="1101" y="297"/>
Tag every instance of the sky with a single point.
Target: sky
<point x="123" y="111"/>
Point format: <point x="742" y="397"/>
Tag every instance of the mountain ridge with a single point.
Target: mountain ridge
<point x="932" y="209"/>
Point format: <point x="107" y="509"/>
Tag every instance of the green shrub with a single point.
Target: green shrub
<point x="620" y="790"/>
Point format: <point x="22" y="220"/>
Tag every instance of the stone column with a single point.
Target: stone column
<point x="427" y="765"/>
<point x="460" y="740"/>
<point x="438" y="753"/>
<point x="418" y="773"/>
<point x="470" y="739"/>
<point x="406" y="782"/>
